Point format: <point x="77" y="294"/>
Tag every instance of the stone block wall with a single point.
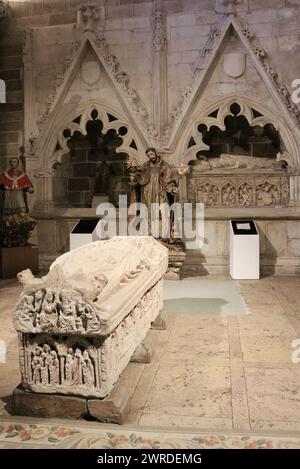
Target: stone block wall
<point x="11" y="112"/>
<point x="279" y="244"/>
<point x="128" y="32"/>
<point x="279" y="248"/>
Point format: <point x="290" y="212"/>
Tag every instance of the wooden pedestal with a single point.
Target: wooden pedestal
<point x="15" y="259"/>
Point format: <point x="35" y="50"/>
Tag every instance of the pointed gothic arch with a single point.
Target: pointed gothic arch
<point x="75" y="120"/>
<point x="51" y="187"/>
<point x="220" y="108"/>
<point x="287" y="117"/>
<point x="59" y="112"/>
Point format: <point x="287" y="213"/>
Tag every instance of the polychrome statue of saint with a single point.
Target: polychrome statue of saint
<point x="16" y="224"/>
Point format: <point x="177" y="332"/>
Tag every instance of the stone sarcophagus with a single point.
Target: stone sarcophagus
<point x="80" y="324"/>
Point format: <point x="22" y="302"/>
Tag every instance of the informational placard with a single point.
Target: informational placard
<point x="244" y="249"/>
<point x="246" y="227"/>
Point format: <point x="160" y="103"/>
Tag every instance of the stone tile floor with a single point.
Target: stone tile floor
<point x="230" y="373"/>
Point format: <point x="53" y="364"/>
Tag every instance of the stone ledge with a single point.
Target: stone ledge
<point x="48" y="405"/>
<point x="222" y="213"/>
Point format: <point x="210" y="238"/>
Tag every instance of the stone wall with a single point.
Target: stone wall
<point x="279" y="248"/>
<point x="162" y="59"/>
<point x="279" y="241"/>
<point x="128" y="33"/>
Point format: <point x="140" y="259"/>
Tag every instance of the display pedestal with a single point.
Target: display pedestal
<point x="17" y="258"/>
<point x="244" y="250"/>
<point x="84" y="232"/>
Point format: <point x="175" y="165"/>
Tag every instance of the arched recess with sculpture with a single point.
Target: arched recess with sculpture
<point x="239" y="154"/>
<point x="84" y="157"/>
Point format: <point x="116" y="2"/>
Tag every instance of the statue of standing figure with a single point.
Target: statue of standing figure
<point x="154" y="183"/>
<point x="16" y="224"/>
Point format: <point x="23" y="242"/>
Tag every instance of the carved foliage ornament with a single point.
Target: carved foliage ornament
<point x="159" y="39"/>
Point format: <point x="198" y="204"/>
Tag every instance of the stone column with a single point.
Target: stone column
<point x="295" y="188"/>
<point x="29" y="89"/>
<point x="160" y="74"/>
<point x="183" y="171"/>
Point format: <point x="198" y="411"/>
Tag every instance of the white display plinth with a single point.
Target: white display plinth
<point x="84" y="232"/>
<point x="244" y="250"/>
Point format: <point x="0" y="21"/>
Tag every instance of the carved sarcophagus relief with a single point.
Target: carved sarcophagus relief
<point x="216" y="189"/>
<point x="80" y="324"/>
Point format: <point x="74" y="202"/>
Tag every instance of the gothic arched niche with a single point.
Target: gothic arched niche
<point x="233" y="129"/>
<point x="237" y="157"/>
<point x="239" y="137"/>
<point x="93" y="164"/>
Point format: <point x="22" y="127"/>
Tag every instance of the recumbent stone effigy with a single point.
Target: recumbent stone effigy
<point x="80" y="324"/>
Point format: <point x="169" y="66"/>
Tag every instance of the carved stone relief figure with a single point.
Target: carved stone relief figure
<point x="67" y="317"/>
<point x="267" y="194"/>
<point x="77" y="368"/>
<point x="245" y="195"/>
<point x="53" y="363"/>
<point x="208" y="194"/>
<point x="26" y="310"/>
<point x="238" y="193"/>
<point x="88" y="370"/>
<point x="285" y="191"/>
<point x="228" y="195"/>
<point x="36" y="370"/>
<point x="46" y="316"/>
<point x="69" y="366"/>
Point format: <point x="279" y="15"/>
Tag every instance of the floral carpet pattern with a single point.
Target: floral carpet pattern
<point x="32" y="433"/>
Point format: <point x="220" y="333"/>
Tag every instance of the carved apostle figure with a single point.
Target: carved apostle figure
<point x="69" y="366"/>
<point x="36" y="370"/>
<point x="53" y="362"/>
<point x="88" y="369"/>
<point x="77" y="368"/>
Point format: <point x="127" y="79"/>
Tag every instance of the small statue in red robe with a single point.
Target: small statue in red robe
<point x="15" y="221"/>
